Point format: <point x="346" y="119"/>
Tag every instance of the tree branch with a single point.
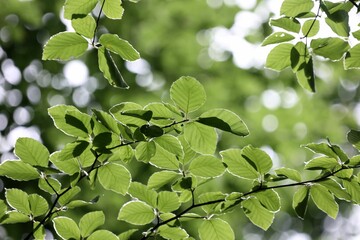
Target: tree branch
<point x="97" y="23"/>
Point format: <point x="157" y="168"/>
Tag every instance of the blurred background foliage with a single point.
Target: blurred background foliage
<point x="215" y="41"/>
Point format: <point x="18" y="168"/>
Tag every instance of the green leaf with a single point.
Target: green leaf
<point x="352" y="58"/>
<point x="69" y="166"/>
<point x="114" y="177"/>
<point x="137" y="213"/>
<point x="113" y="9"/>
<point x="215" y="229"/>
<point x="207" y="197"/>
<point x="300" y="201"/>
<point x="18" y="199"/>
<point x="107" y="120"/>
<point x="167" y="201"/>
<point x="66" y="228"/>
<point x="206" y="166"/>
<point x="39" y="233"/>
<point x="310" y="27"/>
<point x="188" y="94"/>
<point x="124" y="154"/>
<point x="70" y="194"/>
<point x="3" y="209"/>
<point x="128" y="120"/>
<point x="71" y="150"/>
<point x="354" y="161"/>
<point x="127" y="234"/>
<point x="145" y="151"/>
<point x="335" y="188"/>
<point x="332" y="48"/>
<point x="305" y="76"/>
<point x="49" y="185"/>
<point x="164" y="159"/>
<point x="299" y="56"/>
<point x="279" y="57"/>
<point x="294" y="8"/>
<point x="171" y="144"/>
<point x="258" y="215"/>
<point x="324" y="200"/>
<point x="161" y="115"/>
<point x="345" y="173"/>
<point x="339" y="23"/>
<point x="320" y="163"/>
<point x="70" y="120"/>
<point x="76" y="7"/>
<point x="289" y="24"/>
<point x="189" y="153"/>
<point x="32" y="152"/>
<point x="105" y="141"/>
<point x="91" y="221"/>
<point x="225" y="120"/>
<point x="38" y="205"/>
<point x="201" y="138"/>
<point x="84" y="25"/>
<point x="353" y="136"/>
<point x="353" y="188"/>
<point x="277" y="37"/>
<point x="257" y="158"/>
<point x="15" y="217"/>
<point x="18" y="170"/>
<point x="119" y="46"/>
<point x="103" y="234"/>
<point x="269" y="199"/>
<point x="289" y="173"/>
<point x="64" y="46"/>
<point x="356" y="34"/>
<point x="140" y="191"/>
<point x="237" y="165"/>
<point x="108" y="67"/>
<point x="151" y="131"/>
<point x="322" y="148"/>
<point x="159" y="179"/>
<point x="173" y="233"/>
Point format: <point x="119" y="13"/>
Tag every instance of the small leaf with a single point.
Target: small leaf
<point x="305" y="76"/>
<point x="356" y="34"/>
<point x="144" y="151"/>
<point x="107" y="120"/>
<point x="171" y="144"/>
<point x="206" y="166"/>
<point x="49" y="185"/>
<point x="269" y="199"/>
<point x="127" y="234"/>
<point x="353" y="188"/>
<point x="32" y="152"/>
<point x="353" y="136"/>
<point x="277" y="37"/>
<point x="339" y="23"/>
<point x="289" y="24"/>
<point x="320" y="163"/>
<point x="108" y="67"/>
<point x="300" y="201"/>
<point x="279" y="57"/>
<point x="119" y="46"/>
<point x="38" y="205"/>
<point x="294" y="8"/>
<point x="164" y="159"/>
<point x="237" y="165"/>
<point x="257" y="214"/>
<point x="69" y="195"/>
<point x="310" y="28"/>
<point x="140" y="191"/>
<point x="322" y="148"/>
<point x="91" y="221"/>
<point x="113" y="9"/>
<point x="39" y="233"/>
<point x="124" y="154"/>
<point x="66" y="228"/>
<point x="84" y="25"/>
<point x="225" y="120"/>
<point x="18" y="199"/>
<point x="64" y="46"/>
<point x="201" y="138"/>
<point x="334" y="187"/>
<point x="168" y="201"/>
<point x="69" y="166"/>
<point x="218" y="197"/>
<point x="257" y="158"/>
<point x="159" y="179"/>
<point x="331" y="48"/>
<point x="161" y="115"/>
<point x="129" y="121"/>
<point x="289" y="173"/>
<point x="299" y="56"/>
<point x="114" y="177"/>
<point x="352" y="58"/>
<point x="136" y="212"/>
<point x="354" y="161"/>
<point x="18" y="170"/>
<point x="215" y="229"/>
<point x="324" y="200"/>
<point x="15" y="217"/>
<point x="151" y="131"/>
<point x="188" y="94"/>
<point x="173" y="233"/>
<point x="76" y="7"/>
<point x="102" y="234"/>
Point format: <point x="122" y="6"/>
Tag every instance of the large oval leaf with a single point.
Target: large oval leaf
<point x="136" y="212"/>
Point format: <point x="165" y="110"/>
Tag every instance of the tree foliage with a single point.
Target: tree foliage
<point x="180" y="140"/>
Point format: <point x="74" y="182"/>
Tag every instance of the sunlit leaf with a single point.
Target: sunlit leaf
<point x="38" y="205"/>
<point x="171" y="144"/>
<point x="69" y="195"/>
<point x="84" y="25"/>
<point x="339" y="23"/>
<point x="114" y="177"/>
<point x="299" y="56"/>
<point x="102" y="234"/>
<point x="143" y="193"/>
<point x="310" y="28"/>
<point x="64" y="46"/>
<point x="332" y="48"/>
<point x="127" y="234"/>
<point x="289" y="24"/>
<point x="322" y="163"/>
<point x="300" y="201"/>
<point x="215" y="229"/>
<point x="289" y="173"/>
<point x="188" y="94"/>
<point x="128" y="120"/>
<point x="15" y="217"/>
<point x="39" y="233"/>
<point x="168" y="201"/>
<point x="76" y="7"/>
<point x="201" y="138"/>
<point x="32" y="152"/>
<point x="18" y="170"/>
<point x="305" y="76"/>
<point x="50" y="185"/>
<point x="257" y="214"/>
<point x="144" y="151"/>
<point x="173" y="233"/>
<point x="206" y="166"/>
<point x="91" y="221"/>
<point x="257" y="158"/>
<point x="159" y="179"/>
<point x="353" y="188"/>
<point x="136" y="212"/>
<point x="66" y="228"/>
<point x="269" y="199"/>
<point x="324" y="200"/>
<point x="294" y="8"/>
<point x="18" y="200"/>
<point x="164" y="159"/>
<point x="113" y="9"/>
<point x="352" y="58"/>
<point x="119" y="46"/>
<point x="277" y="37"/>
<point x="334" y="187"/>
<point x="279" y="57"/>
<point x="107" y="120"/>
<point x="353" y="136"/>
<point x="237" y="165"/>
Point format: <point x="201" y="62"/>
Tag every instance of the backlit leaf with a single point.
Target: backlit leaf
<point x="269" y="199"/>
<point x="289" y="173"/>
<point x="206" y="166"/>
<point x="257" y="158"/>
<point x="352" y="58"/>
<point x="159" y="179"/>
<point x="279" y="57"/>
<point x="201" y="138"/>
<point x="339" y="23"/>
<point x="289" y="24"/>
<point x="173" y="233"/>
<point x="353" y="136"/>
<point x="215" y="229"/>
<point x="102" y="234"/>
<point x="18" y="170"/>
<point x="237" y="165"/>
<point x="91" y="221"/>
<point x="294" y="8"/>
<point x="257" y="214"/>
<point x="144" y="151"/>
<point x="140" y="191"/>
<point x="332" y="48"/>
<point x="114" y="177"/>
<point x="113" y="9"/>
<point x="305" y="76"/>
<point x="38" y="205"/>
<point x="76" y="7"/>
<point x="84" y="25"/>
<point x="300" y="201"/>
<point x="136" y="212"/>
<point x="66" y="228"/>
<point x="119" y="46"/>
<point x="168" y="201"/>
<point x="322" y="163"/>
<point x="32" y="152"/>
<point x="277" y="37"/>
<point x="324" y="200"/>
<point x="18" y="200"/>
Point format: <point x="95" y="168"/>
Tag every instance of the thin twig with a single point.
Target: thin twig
<point x="97" y="23"/>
